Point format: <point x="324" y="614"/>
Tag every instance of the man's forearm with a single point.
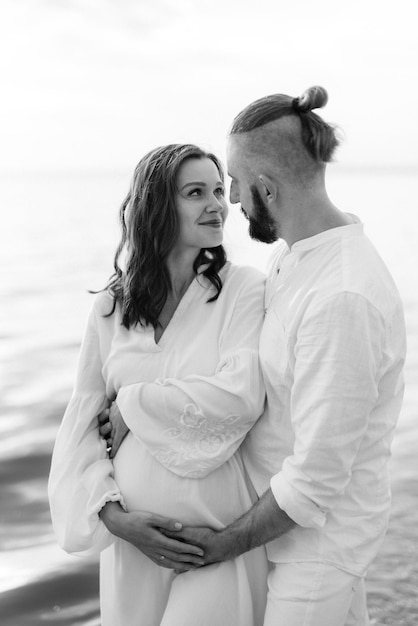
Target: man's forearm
<point x="264" y="522"/>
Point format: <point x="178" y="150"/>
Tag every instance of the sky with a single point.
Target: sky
<point x="91" y="85"/>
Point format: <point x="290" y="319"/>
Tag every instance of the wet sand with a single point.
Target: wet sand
<point x="62" y="599"/>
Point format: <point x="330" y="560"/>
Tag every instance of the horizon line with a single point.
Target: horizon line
<point x="386" y="168"/>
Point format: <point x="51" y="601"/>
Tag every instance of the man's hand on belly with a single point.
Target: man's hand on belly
<point x="212" y="542"/>
<point x="112" y="428"/>
<point x="264" y="522"/>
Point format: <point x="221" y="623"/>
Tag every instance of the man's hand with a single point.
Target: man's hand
<point x="264" y="522"/>
<point x="105" y="426"/>
<point x="214" y="544"/>
<point x="145" y="531"/>
<point x="112" y="428"/>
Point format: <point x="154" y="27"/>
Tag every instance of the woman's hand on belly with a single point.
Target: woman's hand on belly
<point x="144" y="531"/>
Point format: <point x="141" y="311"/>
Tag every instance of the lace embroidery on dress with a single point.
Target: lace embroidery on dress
<point x="198" y="441"/>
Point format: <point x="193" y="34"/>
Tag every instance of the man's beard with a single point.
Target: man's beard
<point x="262" y="226"/>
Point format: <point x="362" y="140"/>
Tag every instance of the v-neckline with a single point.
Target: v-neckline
<point x="183" y="302"/>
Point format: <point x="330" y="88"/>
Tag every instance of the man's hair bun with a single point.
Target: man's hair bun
<point x="313" y="98"/>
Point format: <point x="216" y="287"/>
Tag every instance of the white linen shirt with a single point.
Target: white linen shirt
<point x="190" y="399"/>
<point x="332" y="352"/>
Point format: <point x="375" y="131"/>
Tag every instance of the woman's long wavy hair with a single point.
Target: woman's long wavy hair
<point x="150" y="228"/>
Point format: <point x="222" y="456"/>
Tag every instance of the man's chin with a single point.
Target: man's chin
<point x="262" y="237"/>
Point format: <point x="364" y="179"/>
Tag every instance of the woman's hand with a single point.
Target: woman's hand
<point x="112" y="428"/>
<point x="143" y="530"/>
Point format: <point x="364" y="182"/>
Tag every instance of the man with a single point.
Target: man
<point x="332" y="351"/>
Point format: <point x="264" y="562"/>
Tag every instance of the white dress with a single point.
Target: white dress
<point x="189" y="402"/>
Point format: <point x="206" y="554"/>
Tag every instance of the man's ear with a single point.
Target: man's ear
<point x="268" y="188"/>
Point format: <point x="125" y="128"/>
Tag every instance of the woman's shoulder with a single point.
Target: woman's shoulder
<point x="103" y="303"/>
<point x="242" y="281"/>
<point x="241" y="275"/>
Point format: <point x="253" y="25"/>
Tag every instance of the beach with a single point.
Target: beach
<point x="58" y="241"/>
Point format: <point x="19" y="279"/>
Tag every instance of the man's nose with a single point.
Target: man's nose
<point x="233" y="194"/>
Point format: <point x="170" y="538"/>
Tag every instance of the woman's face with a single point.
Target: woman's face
<point x="201" y="205"/>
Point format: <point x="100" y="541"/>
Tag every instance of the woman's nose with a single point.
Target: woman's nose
<point x="215" y="205"/>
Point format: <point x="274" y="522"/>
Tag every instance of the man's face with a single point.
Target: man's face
<point x="262" y="225"/>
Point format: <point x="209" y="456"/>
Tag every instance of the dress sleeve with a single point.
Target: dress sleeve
<point x="193" y="425"/>
<point x="81" y="476"/>
<point x="338" y="356"/>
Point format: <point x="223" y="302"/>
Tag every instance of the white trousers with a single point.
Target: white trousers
<point x="314" y="594"/>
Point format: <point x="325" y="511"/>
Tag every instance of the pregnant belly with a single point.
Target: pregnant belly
<point x="216" y="499"/>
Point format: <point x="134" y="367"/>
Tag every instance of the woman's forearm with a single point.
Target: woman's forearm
<point x="113" y="516"/>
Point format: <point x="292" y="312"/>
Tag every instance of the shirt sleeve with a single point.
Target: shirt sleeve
<point x="337" y="359"/>
<point x="81" y="476"/>
<point x="193" y="425"/>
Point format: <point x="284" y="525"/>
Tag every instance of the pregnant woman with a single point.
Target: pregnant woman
<point x="173" y="340"/>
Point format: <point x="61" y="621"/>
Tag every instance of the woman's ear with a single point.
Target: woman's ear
<point x="267" y="188"/>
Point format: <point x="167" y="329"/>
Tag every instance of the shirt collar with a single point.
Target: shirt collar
<point x="342" y="232"/>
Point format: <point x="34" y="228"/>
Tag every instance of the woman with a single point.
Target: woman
<point x="174" y="339"/>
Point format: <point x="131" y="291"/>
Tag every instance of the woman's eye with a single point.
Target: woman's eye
<point x="195" y="192"/>
<point x="220" y="191"/>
